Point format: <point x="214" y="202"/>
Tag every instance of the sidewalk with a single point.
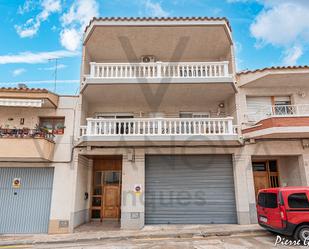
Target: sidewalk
<point x="158" y="231"/>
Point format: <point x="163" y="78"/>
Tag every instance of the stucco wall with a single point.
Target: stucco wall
<point x="169" y="111"/>
<point x="289" y="171"/>
<point x="82" y="183"/>
<point x="61" y="204"/>
<point x="132" y="203"/>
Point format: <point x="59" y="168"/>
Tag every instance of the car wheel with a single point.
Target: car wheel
<point x="302" y="233"/>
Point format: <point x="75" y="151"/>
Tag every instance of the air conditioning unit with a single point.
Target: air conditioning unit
<point x="148" y="58"/>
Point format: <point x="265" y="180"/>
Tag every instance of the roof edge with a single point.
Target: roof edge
<point x="132" y="19"/>
<point x="272" y="68"/>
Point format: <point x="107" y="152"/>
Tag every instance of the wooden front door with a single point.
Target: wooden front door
<point x="265" y="175"/>
<point x="111" y="201"/>
<point x="106" y="193"/>
<point x="260" y="181"/>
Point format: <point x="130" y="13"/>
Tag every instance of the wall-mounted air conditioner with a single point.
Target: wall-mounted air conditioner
<point x="148" y="58"/>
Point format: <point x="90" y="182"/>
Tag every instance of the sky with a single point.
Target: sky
<point x="36" y="32"/>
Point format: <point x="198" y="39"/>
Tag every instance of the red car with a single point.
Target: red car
<point x="285" y="211"/>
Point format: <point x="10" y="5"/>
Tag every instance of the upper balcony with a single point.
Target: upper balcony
<point x="282" y="121"/>
<point x="183" y="50"/>
<point x="163" y="72"/>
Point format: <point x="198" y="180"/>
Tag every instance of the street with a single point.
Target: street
<point x="238" y="242"/>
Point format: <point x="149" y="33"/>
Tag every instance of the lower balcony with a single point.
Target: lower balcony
<point x="26" y="145"/>
<point x="159" y="130"/>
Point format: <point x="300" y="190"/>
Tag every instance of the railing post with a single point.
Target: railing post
<point x="160" y="126"/>
<point x="88" y="128"/>
<point x="92" y="69"/>
<point x="226" y="69"/>
<point x="159" y="68"/>
<point x="230" y="126"/>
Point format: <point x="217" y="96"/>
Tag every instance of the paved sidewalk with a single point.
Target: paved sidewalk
<point x="158" y="231"/>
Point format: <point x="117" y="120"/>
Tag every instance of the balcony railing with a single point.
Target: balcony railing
<point x="279" y="111"/>
<point x="26" y="133"/>
<point x="158" y="127"/>
<point x="159" y="70"/>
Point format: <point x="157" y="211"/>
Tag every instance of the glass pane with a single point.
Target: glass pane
<point x="96" y="201"/>
<point x="268" y="200"/>
<point x="95" y="214"/>
<point x="97" y="191"/>
<point x="259" y="166"/>
<point x="98" y="178"/>
<point x="273" y="166"/>
<point x="298" y="200"/>
<point x="111" y="177"/>
<point x="46" y="124"/>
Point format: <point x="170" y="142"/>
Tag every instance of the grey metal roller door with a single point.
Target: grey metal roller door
<point x="189" y="189"/>
<point x="25" y="209"/>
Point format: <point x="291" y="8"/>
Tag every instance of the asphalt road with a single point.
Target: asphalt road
<point x="243" y="241"/>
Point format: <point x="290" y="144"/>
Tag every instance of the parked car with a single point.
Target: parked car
<point x="285" y="211"/>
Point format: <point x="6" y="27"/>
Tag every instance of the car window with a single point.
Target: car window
<point x="268" y="200"/>
<point x="298" y="200"/>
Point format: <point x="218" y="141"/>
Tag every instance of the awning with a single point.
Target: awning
<point x="21" y="102"/>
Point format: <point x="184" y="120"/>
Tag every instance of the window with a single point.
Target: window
<point x="259" y="166"/>
<point x="112" y="177"/>
<point x="54" y="125"/>
<point x="268" y="200"/>
<point x="114" y="115"/>
<point x="282" y="101"/>
<point x="194" y="115"/>
<point x="298" y="200"/>
<point x="273" y="166"/>
<point x="282" y="106"/>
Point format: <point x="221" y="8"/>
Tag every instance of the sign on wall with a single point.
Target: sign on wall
<point x="16" y="183"/>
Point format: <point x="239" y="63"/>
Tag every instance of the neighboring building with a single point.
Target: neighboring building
<point x="36" y="141"/>
<point x="274" y="116"/>
<point x="164" y="132"/>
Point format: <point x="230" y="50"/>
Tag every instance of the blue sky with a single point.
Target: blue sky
<point x="266" y="33"/>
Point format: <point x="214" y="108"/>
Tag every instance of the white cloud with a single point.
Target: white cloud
<point x="32" y="25"/>
<point x="59" y="66"/>
<point x="291" y="55"/>
<point x="18" y="71"/>
<point x="74" y="22"/>
<point x="33" y="58"/>
<point x="26" y="7"/>
<point x="285" y="24"/>
<point x="239" y="61"/>
<point x="70" y="39"/>
<point x="154" y="9"/>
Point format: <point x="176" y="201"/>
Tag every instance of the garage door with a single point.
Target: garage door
<point x="25" y="207"/>
<point x="189" y="190"/>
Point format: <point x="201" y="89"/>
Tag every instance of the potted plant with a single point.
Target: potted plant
<point x="59" y="129"/>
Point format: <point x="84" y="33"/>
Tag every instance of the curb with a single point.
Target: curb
<point x="181" y="235"/>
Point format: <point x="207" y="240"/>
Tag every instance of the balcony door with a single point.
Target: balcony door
<point x="120" y="127"/>
<point x="265" y="174"/>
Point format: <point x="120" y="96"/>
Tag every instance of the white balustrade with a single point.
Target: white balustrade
<point x="158" y="127"/>
<point x="279" y="111"/>
<point x="159" y="70"/>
